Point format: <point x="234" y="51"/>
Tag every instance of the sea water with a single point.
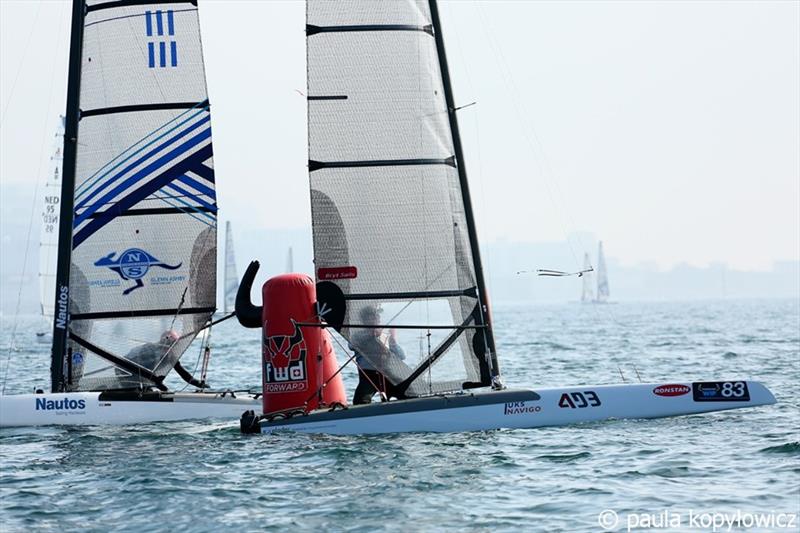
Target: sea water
<point x="713" y="472"/>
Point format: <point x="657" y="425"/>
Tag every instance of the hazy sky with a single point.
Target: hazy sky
<point x="671" y="130"/>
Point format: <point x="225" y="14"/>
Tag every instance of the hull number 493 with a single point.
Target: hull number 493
<point x="579" y="400"/>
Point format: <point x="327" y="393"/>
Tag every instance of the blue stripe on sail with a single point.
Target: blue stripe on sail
<point x="199" y="186"/>
<point x="151" y="55"/>
<point x="194" y="197"/>
<point x="94" y="178"/>
<point x="170" y="23"/>
<point x="205" y="172"/>
<point x="173" y="48"/>
<point x="189" y="210"/>
<point x="162" y="49"/>
<point x="143" y="173"/>
<point x="136" y="163"/>
<point x="141" y="193"/>
<point x="148" y="23"/>
<point x="159" y="23"/>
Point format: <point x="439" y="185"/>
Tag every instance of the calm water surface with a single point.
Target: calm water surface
<point x="206" y="477"/>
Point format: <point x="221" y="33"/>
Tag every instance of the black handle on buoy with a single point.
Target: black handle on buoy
<point x="247" y="314"/>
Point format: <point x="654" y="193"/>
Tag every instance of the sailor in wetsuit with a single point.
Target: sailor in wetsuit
<point x="376" y="353"/>
<point x="151" y="354"/>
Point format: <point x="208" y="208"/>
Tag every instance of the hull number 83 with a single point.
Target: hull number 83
<point x="720" y="391"/>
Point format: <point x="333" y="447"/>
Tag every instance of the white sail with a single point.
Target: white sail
<point x="231" y="278"/>
<point x="602" y="275"/>
<point x="143" y="259"/>
<point x="588" y="292"/>
<point x="48" y="239"/>
<point x="390" y="210"/>
<point x="289" y="261"/>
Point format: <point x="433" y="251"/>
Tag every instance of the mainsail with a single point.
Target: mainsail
<point x="48" y="237"/>
<point x="137" y="245"/>
<point x="602" y="275"/>
<point x="231" y="278"/>
<point x="588" y="293"/>
<point x="390" y="204"/>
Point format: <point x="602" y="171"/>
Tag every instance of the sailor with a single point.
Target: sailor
<point x="150" y="355"/>
<point x="379" y="358"/>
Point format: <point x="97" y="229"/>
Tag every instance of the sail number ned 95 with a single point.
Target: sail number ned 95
<point x="579" y="400"/>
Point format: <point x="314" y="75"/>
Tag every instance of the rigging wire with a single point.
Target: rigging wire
<point x="529" y="131"/>
<point x="24" y="57"/>
<point x="532" y="138"/>
<point x="12" y="341"/>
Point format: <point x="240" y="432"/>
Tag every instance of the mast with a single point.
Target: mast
<point x="61" y="305"/>
<point x="483" y="300"/>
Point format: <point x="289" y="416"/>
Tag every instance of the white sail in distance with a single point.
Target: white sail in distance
<point x="602" y="275"/>
<point x="231" y="277"/>
<point x="48" y="238"/>
<point x="588" y="291"/>
<point x="289" y="261"/>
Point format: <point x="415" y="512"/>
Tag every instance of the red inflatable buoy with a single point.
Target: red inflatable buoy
<point x="297" y="360"/>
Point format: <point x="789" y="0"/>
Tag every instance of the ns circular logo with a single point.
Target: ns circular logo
<point x="134" y="263"/>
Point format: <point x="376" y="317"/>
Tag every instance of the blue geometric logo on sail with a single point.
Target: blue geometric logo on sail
<point x="132" y="265"/>
<point x="159" y="20"/>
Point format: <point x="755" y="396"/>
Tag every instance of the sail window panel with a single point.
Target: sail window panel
<point x="142" y="54"/>
<point x="95" y="373"/>
<point x="358" y="12"/>
<point x="401" y="227"/>
<point x="141" y="341"/>
<point x="448" y="372"/>
<point x="395" y="107"/>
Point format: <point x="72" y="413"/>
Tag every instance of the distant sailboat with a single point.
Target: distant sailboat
<point x="602" y="276"/>
<point x="587" y="296"/>
<point x="48" y="238"/>
<point x="289" y="261"/>
<point x="231" y="278"/>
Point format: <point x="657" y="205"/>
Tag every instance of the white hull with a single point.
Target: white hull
<point x="530" y="409"/>
<point x="95" y="408"/>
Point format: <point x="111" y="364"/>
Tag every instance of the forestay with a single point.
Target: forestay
<point x="142" y="278"/>
<point x="390" y="222"/>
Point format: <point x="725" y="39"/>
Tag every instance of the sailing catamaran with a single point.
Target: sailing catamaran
<point x="393" y="232"/>
<point x="136" y="268"/>
<point x="231" y="278"/>
<point x="587" y="292"/>
<point x="48" y="236"/>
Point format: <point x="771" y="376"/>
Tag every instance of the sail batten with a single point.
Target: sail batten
<point x="391" y="222"/>
<point x="143" y="203"/>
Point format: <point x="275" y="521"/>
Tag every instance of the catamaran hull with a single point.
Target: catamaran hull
<point x="115" y="408"/>
<point x="530" y="409"/>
